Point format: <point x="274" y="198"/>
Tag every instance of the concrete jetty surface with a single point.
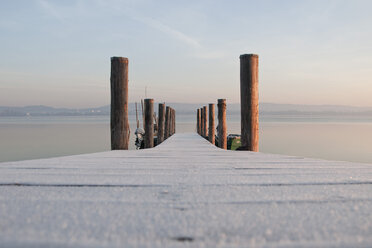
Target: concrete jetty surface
<point x="185" y="193"/>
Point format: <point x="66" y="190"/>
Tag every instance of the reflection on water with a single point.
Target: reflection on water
<point x="41" y="137"/>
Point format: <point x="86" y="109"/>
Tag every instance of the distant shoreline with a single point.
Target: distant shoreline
<point x="186" y="108"/>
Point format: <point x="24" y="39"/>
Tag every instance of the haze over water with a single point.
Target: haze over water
<point x="329" y="138"/>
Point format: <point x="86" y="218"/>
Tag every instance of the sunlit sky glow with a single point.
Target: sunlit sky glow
<point x="58" y="53"/>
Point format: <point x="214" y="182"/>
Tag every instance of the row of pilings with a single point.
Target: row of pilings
<point x="248" y="110"/>
<point x="166" y="123"/>
<point x="119" y="123"/>
<point x="205" y="124"/>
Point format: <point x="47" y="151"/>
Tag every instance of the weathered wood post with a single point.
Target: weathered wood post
<point x="137" y="121"/>
<point x="161" y="122"/>
<point x="119" y="104"/>
<point x="198" y="120"/>
<point x="143" y="114"/>
<point x="170" y="122"/>
<point x="173" y="121"/>
<point x="167" y="119"/>
<point x="211" y="123"/>
<point x="205" y="119"/>
<point x="149" y="123"/>
<point x="222" y="129"/>
<point x="202" y="121"/>
<point x="249" y="101"/>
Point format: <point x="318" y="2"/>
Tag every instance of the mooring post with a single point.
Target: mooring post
<point x="173" y="121"/>
<point x="202" y="121"/>
<point x="167" y="119"/>
<point x="222" y="129"/>
<point x="211" y="123"/>
<point x="198" y="121"/>
<point x="119" y="104"/>
<point x="170" y="122"/>
<point x="149" y="123"/>
<point x="161" y="123"/>
<point x="205" y="118"/>
<point x="249" y="102"/>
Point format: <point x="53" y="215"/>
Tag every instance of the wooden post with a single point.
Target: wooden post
<point x="137" y="121"/>
<point x="174" y="121"/>
<point x="205" y="119"/>
<point x="198" y="121"/>
<point x="119" y="104"/>
<point x="167" y="119"/>
<point x="161" y="123"/>
<point x="222" y="130"/>
<point x="170" y="122"/>
<point x="202" y="121"/>
<point x="249" y="101"/>
<point x="149" y="123"/>
<point x="211" y="123"/>
<point x="143" y="115"/>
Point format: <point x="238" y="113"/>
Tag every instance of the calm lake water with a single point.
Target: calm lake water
<point x="336" y="138"/>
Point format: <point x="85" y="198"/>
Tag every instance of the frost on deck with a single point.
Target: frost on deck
<point x="185" y="192"/>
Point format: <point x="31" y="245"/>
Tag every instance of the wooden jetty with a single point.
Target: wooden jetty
<point x="185" y="192"/>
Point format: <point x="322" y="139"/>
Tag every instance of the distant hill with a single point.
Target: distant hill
<point x="187" y="108"/>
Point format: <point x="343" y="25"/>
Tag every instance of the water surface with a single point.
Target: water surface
<point x="336" y="138"/>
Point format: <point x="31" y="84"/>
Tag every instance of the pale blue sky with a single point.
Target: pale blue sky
<point x="311" y="52"/>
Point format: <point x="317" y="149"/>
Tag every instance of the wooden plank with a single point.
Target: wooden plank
<point x="185" y="192"/>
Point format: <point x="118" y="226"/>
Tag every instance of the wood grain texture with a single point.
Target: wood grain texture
<point x="149" y="123"/>
<point x="198" y="121"/>
<point x="185" y="193"/>
<point x="222" y="127"/>
<point x="161" y="126"/>
<point x="249" y="102"/>
<point x="205" y="120"/>
<point x="119" y="122"/>
<point x="167" y="123"/>
<point x="202" y="122"/>
<point x="211" y="133"/>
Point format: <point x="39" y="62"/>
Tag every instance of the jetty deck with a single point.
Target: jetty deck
<point x="185" y="192"/>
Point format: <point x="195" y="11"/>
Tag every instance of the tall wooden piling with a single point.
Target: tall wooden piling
<point x="198" y="121"/>
<point x="205" y="119"/>
<point x="119" y="104"/>
<point x="143" y="114"/>
<point x="249" y="102"/>
<point x="211" y="134"/>
<point x="149" y="123"/>
<point x="202" y="121"/>
<point x="170" y="122"/>
<point x="167" y="120"/>
<point x="222" y="128"/>
<point x="161" y="123"/>
<point x="173" y="121"/>
<point x="137" y="120"/>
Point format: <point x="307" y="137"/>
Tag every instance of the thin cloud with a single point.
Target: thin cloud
<point x="210" y="55"/>
<point x="50" y="10"/>
<point x="168" y="30"/>
<point x="155" y="24"/>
